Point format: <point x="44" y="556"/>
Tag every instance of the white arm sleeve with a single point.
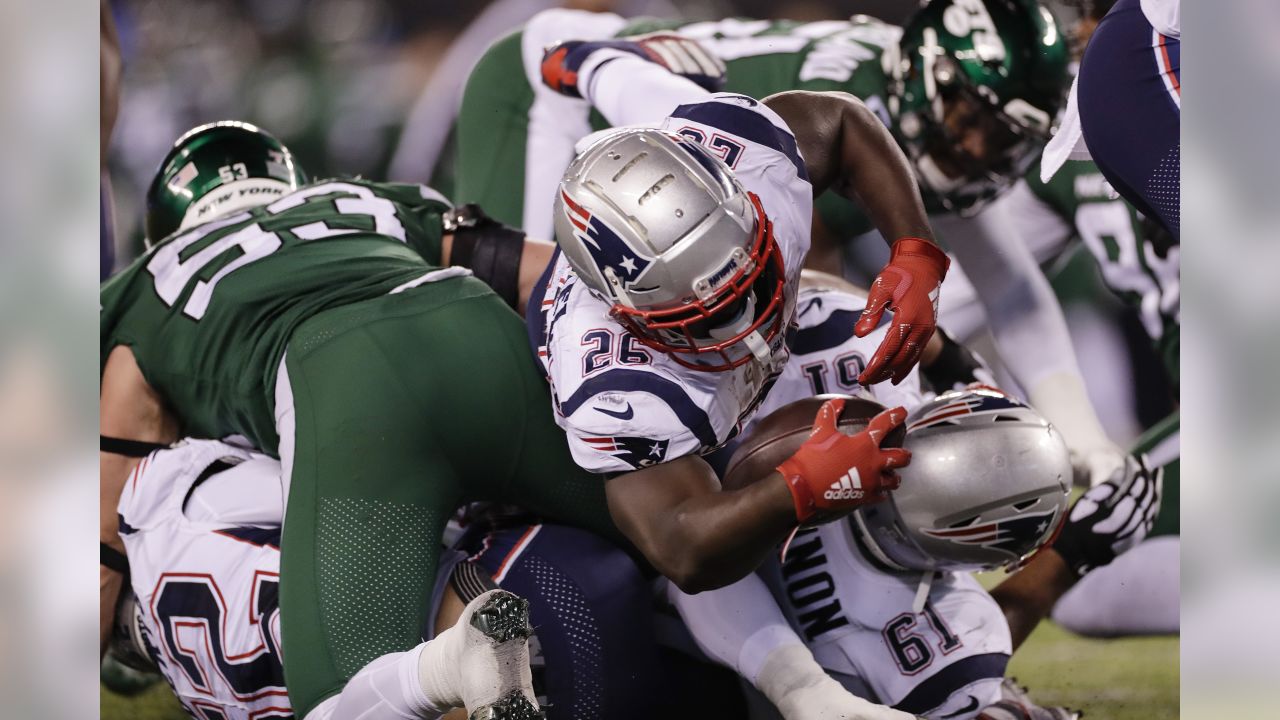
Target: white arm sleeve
<point x="1026" y="321"/>
<point x="738" y="625"/>
<point x="385" y="689"/>
<point x="630" y="91"/>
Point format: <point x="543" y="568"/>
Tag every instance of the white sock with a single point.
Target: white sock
<point x="1137" y="594"/>
<point x="463" y="667"/>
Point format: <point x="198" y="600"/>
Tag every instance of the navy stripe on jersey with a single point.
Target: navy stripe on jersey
<point x="935" y="690"/>
<point x="691" y="416"/>
<point x="253" y="535"/>
<point x="535" y="317"/>
<point x="835" y="330"/>
<point x="125" y="528"/>
<point x="745" y="124"/>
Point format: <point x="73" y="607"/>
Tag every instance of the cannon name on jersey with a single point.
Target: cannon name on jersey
<point x="207" y="588"/>
<point x="856" y="617"/>
<point x="625" y="406"/>
<point x="945" y="660"/>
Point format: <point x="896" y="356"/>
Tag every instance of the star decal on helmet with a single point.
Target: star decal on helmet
<point x="608" y="249"/>
<point x="1006" y="534"/>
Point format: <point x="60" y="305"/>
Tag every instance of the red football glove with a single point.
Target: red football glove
<point x="908" y="286"/>
<point x="682" y="56"/>
<point x="833" y="471"/>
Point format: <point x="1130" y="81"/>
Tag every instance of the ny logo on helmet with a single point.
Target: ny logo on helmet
<point x="608" y="249"/>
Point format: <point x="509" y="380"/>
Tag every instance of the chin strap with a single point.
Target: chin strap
<point x="113" y="559"/>
<point x="922" y="591"/>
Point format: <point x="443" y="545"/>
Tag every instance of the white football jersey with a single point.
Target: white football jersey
<point x="826" y="357"/>
<point x="207" y="588"/>
<point x="945" y="661"/>
<point x="855" y="617"/>
<point x="624" y="406"/>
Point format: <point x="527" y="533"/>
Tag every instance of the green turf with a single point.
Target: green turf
<point x="156" y="703"/>
<point x="1124" y="679"/>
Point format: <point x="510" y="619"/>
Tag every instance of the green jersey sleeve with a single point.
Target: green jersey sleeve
<point x="209" y="312"/>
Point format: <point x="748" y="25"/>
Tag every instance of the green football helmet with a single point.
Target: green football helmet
<point x="216" y="169"/>
<point x="975" y="86"/>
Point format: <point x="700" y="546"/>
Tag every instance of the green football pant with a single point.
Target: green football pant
<point x="404" y="408"/>
<point x="1161" y="444"/>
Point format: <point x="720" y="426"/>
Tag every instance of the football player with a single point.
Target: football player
<point x="203" y="538"/>
<point x="962" y="78"/>
<point x="1125" y="108"/>
<point x="1140" y="262"/>
<point x="406" y="390"/>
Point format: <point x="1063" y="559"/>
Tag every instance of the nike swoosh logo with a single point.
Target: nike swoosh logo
<point x="973" y="705"/>
<point x="620" y="414"/>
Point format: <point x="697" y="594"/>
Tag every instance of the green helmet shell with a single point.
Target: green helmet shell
<point x="245" y="165"/>
<point x="1007" y="59"/>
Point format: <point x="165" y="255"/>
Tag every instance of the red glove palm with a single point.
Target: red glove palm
<point x="833" y="471"/>
<point x="907" y="286"/>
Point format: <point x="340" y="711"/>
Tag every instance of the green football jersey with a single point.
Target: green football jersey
<point x="208" y="311"/>
<point x="1142" y="270"/>
<point x="764" y="57"/>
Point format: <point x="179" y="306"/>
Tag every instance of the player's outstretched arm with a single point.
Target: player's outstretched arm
<point x="847" y="149"/>
<point x="129" y="409"/>
<point x="702" y="537"/>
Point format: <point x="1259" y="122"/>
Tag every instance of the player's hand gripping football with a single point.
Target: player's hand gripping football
<point x="834" y="472"/>
<point x="682" y="56"/>
<point x="1111" y="518"/>
<point x="907" y="287"/>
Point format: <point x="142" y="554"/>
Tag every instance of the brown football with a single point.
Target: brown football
<point x="778" y="435"/>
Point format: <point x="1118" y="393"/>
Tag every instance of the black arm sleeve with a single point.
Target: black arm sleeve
<point x="954" y="367"/>
<point x="490" y="249"/>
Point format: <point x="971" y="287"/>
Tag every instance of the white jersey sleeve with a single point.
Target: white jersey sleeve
<point x="858" y="621"/>
<point x="625" y="406"/>
<point x="207" y="590"/>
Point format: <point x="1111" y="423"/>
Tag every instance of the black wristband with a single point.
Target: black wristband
<point x="1071" y="544"/>
<point x="490" y="249"/>
<point x="113" y="558"/>
<point x="127" y="448"/>
<point x="954" y="366"/>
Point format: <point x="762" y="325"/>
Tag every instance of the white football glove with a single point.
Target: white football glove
<point x="1110" y="518"/>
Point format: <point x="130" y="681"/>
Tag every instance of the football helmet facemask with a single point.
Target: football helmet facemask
<point x="662" y="231"/>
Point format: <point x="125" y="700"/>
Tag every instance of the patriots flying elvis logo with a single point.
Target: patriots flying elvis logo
<point x="970" y="405"/>
<point x="1008" y="534"/>
<point x="607" y="248"/>
<point x="637" y="452"/>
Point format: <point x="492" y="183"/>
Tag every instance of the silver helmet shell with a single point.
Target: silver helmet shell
<point x="663" y="231"/>
<point x="986" y="487"/>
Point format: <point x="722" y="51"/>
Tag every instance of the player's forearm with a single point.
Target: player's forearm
<point x="628" y="90"/>
<point x="1028" y="596"/>
<point x="692" y="532"/>
<point x="110" y="583"/>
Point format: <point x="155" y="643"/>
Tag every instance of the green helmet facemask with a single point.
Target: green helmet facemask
<point x="215" y="169"/>
<point x="975" y="87"/>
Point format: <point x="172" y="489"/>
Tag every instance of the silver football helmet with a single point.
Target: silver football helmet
<point x="660" y="228"/>
<point x="986" y="487"/>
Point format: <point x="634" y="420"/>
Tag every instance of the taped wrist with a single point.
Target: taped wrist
<point x="490" y="249"/>
<point x="955" y="366"/>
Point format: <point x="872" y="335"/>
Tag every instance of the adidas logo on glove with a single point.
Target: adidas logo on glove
<point x="848" y="487"/>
